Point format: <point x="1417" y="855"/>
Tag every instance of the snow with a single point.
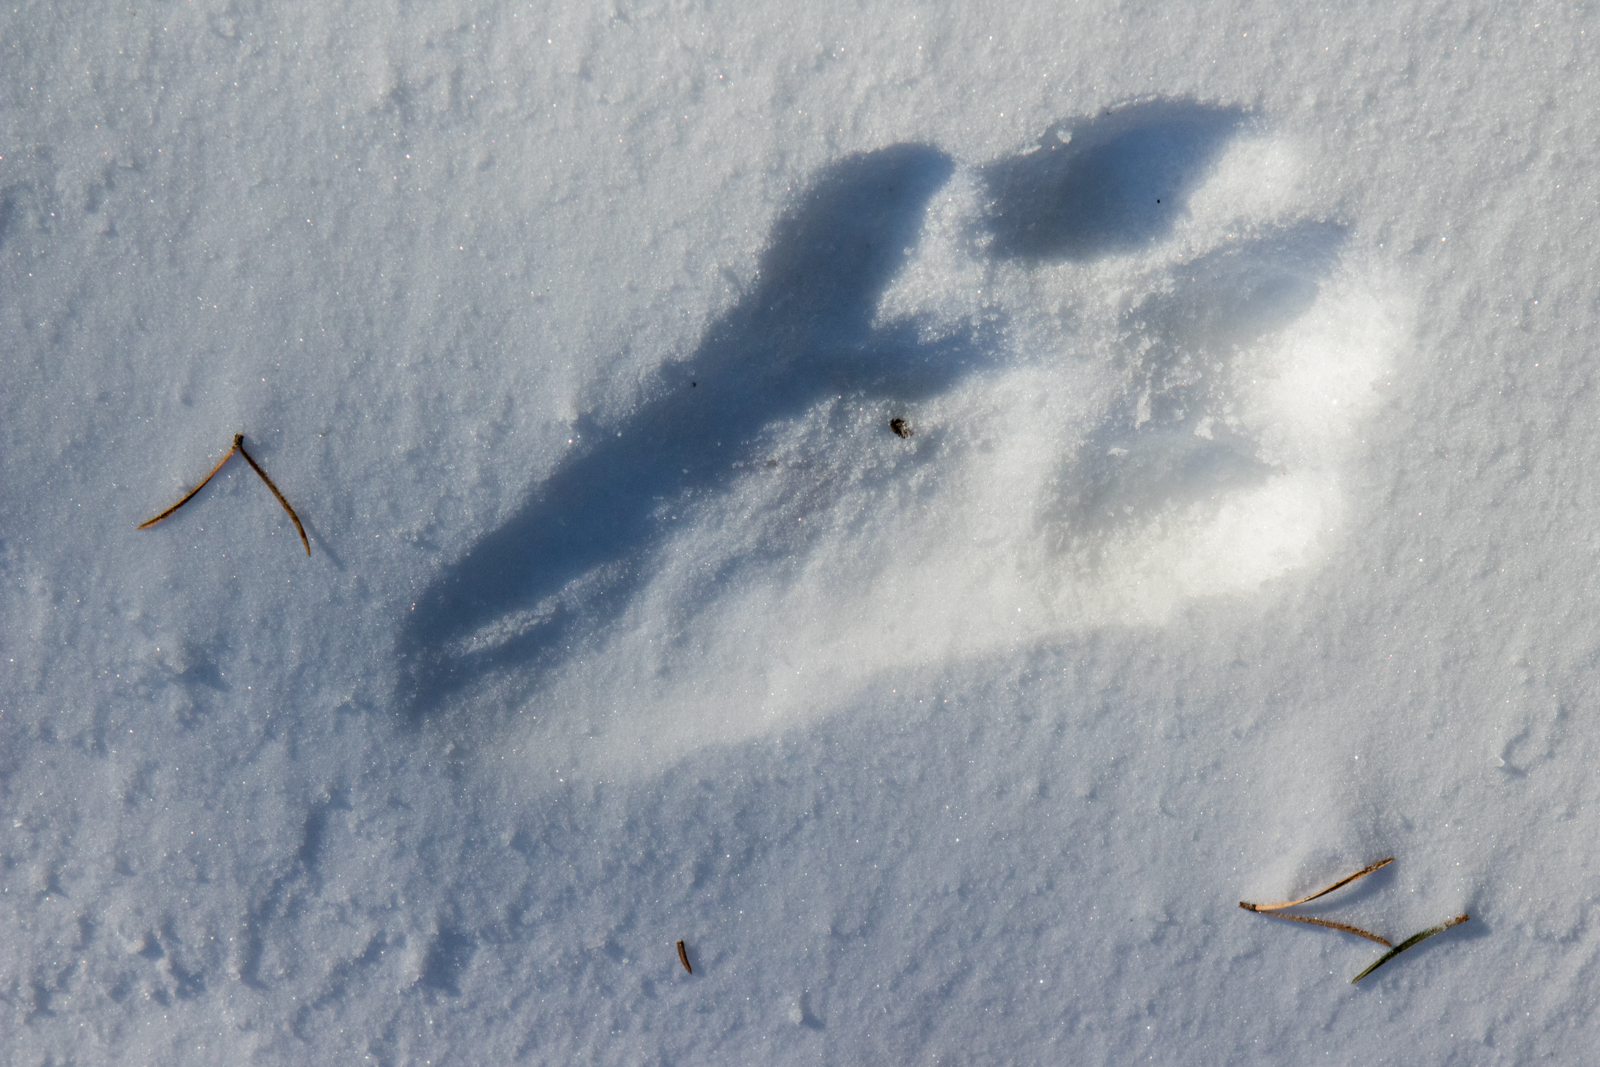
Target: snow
<point x="1244" y="538"/>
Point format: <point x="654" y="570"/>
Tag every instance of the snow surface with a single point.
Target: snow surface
<point x="1246" y="535"/>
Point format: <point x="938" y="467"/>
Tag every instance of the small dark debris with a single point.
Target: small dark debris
<point x="901" y="427"/>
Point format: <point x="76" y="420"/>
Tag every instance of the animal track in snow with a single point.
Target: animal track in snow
<point x="1135" y="368"/>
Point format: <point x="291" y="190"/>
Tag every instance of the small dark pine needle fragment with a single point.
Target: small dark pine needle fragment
<point x="238" y="442"/>
<point x="238" y="446"/>
<point x="1247" y="906"/>
<point x="683" y="957"/>
<point x="1330" y="924"/>
<point x="901" y="427"/>
<point x="1410" y="941"/>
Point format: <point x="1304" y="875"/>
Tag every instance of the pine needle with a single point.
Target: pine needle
<point x="1322" y="893"/>
<point x="238" y="442"/>
<point x="1329" y="923"/>
<point x="238" y="446"/>
<point x="1408" y="942"/>
<point x="190" y="494"/>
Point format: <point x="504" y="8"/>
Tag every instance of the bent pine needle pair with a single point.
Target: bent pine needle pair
<point x="1272" y="910"/>
<point x="238" y="446"/>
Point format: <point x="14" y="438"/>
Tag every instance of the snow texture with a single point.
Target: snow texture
<point x="1244" y="534"/>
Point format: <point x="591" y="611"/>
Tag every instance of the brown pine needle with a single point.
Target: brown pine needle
<point x="238" y="442"/>
<point x="190" y="494"/>
<point x="1339" y="884"/>
<point x="238" y="446"/>
<point x="1408" y="942"/>
<point x="1346" y="927"/>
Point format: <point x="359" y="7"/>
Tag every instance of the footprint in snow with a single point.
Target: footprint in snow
<point x="1135" y="366"/>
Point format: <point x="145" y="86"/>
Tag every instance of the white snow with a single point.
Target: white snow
<point x="1245" y="536"/>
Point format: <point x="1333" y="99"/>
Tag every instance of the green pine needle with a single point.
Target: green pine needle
<point x="1407" y="943"/>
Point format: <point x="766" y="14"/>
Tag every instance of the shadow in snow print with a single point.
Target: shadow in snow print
<point x="1134" y="364"/>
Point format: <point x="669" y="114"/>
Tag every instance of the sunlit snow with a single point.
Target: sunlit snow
<point x="1243" y="534"/>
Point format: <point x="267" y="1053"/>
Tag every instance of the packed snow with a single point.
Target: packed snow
<point x="1237" y="531"/>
